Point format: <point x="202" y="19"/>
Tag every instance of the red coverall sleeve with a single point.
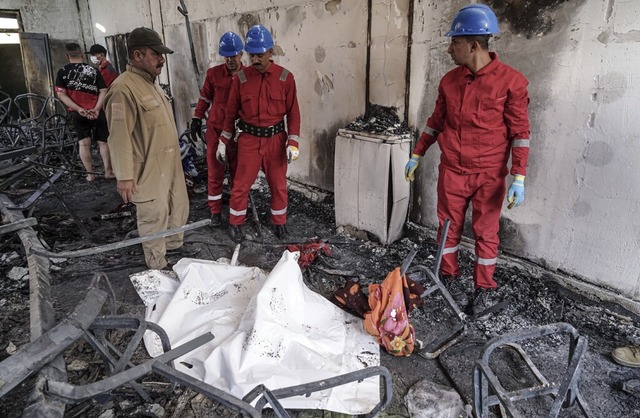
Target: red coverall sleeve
<point x="516" y="118"/>
<point x="434" y="125"/>
<point x="206" y="98"/>
<point x="232" y="110"/>
<point x="293" y="110"/>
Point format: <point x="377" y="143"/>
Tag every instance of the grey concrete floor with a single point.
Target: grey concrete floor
<point x="535" y="301"/>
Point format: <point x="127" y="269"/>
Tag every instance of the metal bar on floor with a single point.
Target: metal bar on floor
<point x="320" y="385"/>
<point x="565" y="394"/>
<point x="42" y="315"/>
<point x="36" y="354"/>
<point x="122" y="244"/>
<point x="18" y="225"/>
<point x="433" y="348"/>
<point x="35" y="195"/>
<point x="71" y="393"/>
<point x="207" y="390"/>
<point x="19" y="152"/>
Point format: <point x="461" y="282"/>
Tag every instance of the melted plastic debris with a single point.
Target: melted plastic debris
<point x="379" y="120"/>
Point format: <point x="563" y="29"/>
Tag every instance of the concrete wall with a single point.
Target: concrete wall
<point x="388" y="59"/>
<point x="580" y="56"/>
<point x="323" y="43"/>
<point x="63" y="20"/>
<point x="582" y="60"/>
<point x="57" y="18"/>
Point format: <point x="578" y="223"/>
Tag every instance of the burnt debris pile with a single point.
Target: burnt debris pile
<point x="75" y="214"/>
<point x="379" y="120"/>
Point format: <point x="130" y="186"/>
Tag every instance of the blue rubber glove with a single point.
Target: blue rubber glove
<point x="515" y="195"/>
<point x="410" y="168"/>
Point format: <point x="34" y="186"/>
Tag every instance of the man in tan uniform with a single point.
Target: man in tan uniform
<point x="143" y="142"/>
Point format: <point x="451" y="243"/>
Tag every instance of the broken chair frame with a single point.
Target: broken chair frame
<point x="565" y="394"/>
<point x="39" y="134"/>
<point x="436" y="346"/>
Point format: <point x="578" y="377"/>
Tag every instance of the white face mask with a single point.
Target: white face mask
<point x="94" y="60"/>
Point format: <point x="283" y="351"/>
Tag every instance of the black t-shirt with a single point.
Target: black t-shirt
<point x="81" y="82"/>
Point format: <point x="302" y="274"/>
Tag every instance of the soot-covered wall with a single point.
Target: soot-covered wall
<point x="581" y="210"/>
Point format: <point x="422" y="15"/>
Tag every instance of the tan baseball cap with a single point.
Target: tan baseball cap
<point x="149" y="38"/>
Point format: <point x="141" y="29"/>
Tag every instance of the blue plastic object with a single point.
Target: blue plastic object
<point x="258" y="40"/>
<point x="230" y="44"/>
<point x="475" y="19"/>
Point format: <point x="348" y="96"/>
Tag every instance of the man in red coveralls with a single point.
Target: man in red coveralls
<point x="480" y="119"/>
<point x="262" y="95"/>
<point x="214" y="93"/>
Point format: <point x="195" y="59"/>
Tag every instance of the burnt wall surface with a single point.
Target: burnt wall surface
<point x="581" y="60"/>
<point x="527" y="17"/>
<point x="12" y="79"/>
<point x="61" y="19"/>
<point x="322" y="43"/>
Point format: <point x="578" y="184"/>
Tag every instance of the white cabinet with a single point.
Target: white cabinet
<point x="371" y="193"/>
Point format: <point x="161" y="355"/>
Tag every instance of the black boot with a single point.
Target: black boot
<point x="235" y="232"/>
<point x="281" y="232"/>
<point x="483" y="299"/>
<point x="456" y="290"/>
<point x="216" y="220"/>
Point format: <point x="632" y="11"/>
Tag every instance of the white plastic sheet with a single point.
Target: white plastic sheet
<point x="268" y="330"/>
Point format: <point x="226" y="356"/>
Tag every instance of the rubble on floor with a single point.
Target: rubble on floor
<point x="534" y="300"/>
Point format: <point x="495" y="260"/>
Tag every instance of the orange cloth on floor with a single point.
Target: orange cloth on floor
<point x="388" y="320"/>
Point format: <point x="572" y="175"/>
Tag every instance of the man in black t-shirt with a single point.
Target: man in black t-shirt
<point x="81" y="88"/>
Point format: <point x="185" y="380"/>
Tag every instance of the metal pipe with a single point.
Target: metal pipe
<point x="121" y="244"/>
<point x="320" y="385"/>
<point x="68" y="392"/>
<point x="209" y="391"/>
<point x="184" y="12"/>
<point x="18" y="225"/>
<point x="42" y="315"/>
<point x="36" y="354"/>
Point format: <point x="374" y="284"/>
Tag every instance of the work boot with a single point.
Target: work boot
<point x="627" y="356"/>
<point x="183" y="251"/>
<point x="235" y="232"/>
<point x="456" y="291"/>
<point x="483" y="299"/>
<point x="216" y="220"/>
<point x="281" y="231"/>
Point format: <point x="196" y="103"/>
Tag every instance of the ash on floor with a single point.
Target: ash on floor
<point x="535" y="301"/>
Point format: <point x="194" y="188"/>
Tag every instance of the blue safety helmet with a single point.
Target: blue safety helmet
<point x="230" y="44"/>
<point x="475" y="19"/>
<point x="258" y="39"/>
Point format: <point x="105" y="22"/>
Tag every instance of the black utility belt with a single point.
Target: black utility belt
<point x="259" y="131"/>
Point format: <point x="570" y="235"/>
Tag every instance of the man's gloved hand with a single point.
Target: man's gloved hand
<point x="292" y="153"/>
<point x="221" y="153"/>
<point x="292" y="148"/>
<point x="196" y="129"/>
<point x="515" y="195"/>
<point x="410" y="168"/>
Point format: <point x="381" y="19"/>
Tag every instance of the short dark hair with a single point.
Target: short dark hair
<point x="482" y="40"/>
<point x="73" y="49"/>
<point x="96" y="49"/>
